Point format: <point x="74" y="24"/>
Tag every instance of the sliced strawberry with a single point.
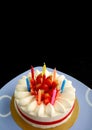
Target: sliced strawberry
<point x="45" y="87"/>
<point x="39" y="75"/>
<point x="47" y="95"/>
<point x="39" y="78"/>
<point x="48" y="81"/>
<point x="47" y="100"/>
<point x="51" y="92"/>
<point x="33" y="92"/>
<point x="38" y="86"/>
<point x="32" y="82"/>
<point x="49" y="77"/>
<point x="54" y="84"/>
<point x="42" y="94"/>
<point x="44" y="77"/>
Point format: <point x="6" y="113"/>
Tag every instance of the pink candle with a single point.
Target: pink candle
<point x="53" y="96"/>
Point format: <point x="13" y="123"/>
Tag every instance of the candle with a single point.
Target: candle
<point x="63" y="85"/>
<point x="39" y="97"/>
<point x="28" y="84"/>
<point x="43" y="69"/>
<point x="32" y="72"/>
<point x="53" y="96"/>
<point x="54" y="74"/>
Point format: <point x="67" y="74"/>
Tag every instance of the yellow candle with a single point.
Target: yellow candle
<point x="43" y="69"/>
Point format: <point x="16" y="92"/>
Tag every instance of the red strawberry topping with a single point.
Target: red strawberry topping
<point x="46" y="86"/>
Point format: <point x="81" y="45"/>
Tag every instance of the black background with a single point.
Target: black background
<point x="64" y="44"/>
<point x="77" y="67"/>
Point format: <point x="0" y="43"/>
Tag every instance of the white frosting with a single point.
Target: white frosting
<point x="50" y="111"/>
<point x="28" y="104"/>
<point x="40" y="110"/>
<point x="59" y="107"/>
<point x="32" y="106"/>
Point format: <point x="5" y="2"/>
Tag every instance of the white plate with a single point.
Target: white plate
<point x="83" y="93"/>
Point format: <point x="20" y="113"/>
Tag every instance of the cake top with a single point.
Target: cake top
<point x="44" y="93"/>
<point x="44" y="86"/>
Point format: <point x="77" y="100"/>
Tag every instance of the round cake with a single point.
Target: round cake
<point x="44" y="98"/>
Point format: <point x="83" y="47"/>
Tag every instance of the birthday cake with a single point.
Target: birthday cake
<point x="44" y="98"/>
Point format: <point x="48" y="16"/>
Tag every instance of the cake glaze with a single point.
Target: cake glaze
<point x="44" y="115"/>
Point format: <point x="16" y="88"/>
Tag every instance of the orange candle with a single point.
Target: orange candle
<point x="54" y="74"/>
<point x="39" y="97"/>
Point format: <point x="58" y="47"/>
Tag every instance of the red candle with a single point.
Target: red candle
<point x="32" y="72"/>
